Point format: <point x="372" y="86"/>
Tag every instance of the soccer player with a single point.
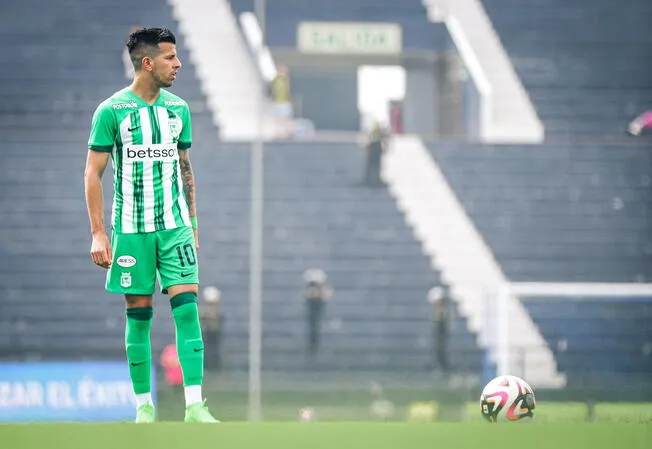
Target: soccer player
<point x="146" y="131"/>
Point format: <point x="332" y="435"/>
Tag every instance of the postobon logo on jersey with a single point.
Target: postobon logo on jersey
<point x="125" y="105"/>
<point x="154" y="152"/>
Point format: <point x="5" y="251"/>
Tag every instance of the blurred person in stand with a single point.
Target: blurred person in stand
<point x="171" y="366"/>
<point x="212" y="321"/>
<point x="396" y="116"/>
<point x="640" y="123"/>
<point x="281" y="95"/>
<point x="377" y="143"/>
<point x="316" y="293"/>
<point x="441" y="318"/>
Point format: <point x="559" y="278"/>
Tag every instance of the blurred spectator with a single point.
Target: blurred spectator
<point x="211" y="323"/>
<point x="396" y="116"/>
<point x="317" y="292"/>
<point x="171" y="365"/>
<point x="640" y="123"/>
<point x="375" y="147"/>
<point x="438" y="298"/>
<point x="126" y="60"/>
<point x="281" y="94"/>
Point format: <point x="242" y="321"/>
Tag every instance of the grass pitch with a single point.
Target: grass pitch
<point x="326" y="436"/>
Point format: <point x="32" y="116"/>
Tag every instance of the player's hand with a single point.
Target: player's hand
<point x="196" y="232"/>
<point x="101" y="250"/>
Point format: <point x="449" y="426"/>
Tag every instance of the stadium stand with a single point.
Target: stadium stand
<point x="567" y="213"/>
<point x="585" y="65"/>
<point x="317" y="215"/>
<point x="564" y="211"/>
<point x="586" y="222"/>
<point x="557" y="213"/>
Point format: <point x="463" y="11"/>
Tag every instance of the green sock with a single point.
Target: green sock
<point x="139" y="348"/>
<point x="190" y="345"/>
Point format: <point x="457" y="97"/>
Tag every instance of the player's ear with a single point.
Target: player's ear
<point x="146" y="63"/>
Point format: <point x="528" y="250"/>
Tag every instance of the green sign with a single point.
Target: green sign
<point x="349" y="38"/>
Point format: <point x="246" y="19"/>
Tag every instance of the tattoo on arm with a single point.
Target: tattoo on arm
<point x="188" y="184"/>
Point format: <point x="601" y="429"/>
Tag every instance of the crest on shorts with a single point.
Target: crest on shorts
<point x="125" y="280"/>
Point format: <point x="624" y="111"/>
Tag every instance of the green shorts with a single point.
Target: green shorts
<point x="138" y="259"/>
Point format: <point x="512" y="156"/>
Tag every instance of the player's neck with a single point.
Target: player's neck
<point x="145" y="90"/>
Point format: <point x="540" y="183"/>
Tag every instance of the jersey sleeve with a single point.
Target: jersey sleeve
<point x="103" y="129"/>
<point x="185" y="137"/>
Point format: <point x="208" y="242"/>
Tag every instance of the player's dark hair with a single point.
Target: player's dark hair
<point x="144" y="42"/>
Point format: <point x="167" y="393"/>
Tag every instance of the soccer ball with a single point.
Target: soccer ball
<point x="507" y="398"/>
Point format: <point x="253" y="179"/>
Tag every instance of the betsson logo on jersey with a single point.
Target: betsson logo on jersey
<point x="153" y="152"/>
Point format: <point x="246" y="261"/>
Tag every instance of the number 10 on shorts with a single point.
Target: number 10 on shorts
<point x="186" y="254"/>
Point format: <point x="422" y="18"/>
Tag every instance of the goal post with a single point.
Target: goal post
<point x="580" y="289"/>
<point x="499" y="333"/>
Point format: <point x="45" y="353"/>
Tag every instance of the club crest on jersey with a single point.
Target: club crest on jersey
<point x="125" y="280"/>
<point x="175" y="127"/>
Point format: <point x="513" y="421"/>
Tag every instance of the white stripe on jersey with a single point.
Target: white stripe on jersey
<point x="168" y="215"/>
<point x="148" y="195"/>
<point x="127" y="219"/>
<point x="114" y="207"/>
<point x="148" y="172"/>
<point x="183" y="206"/>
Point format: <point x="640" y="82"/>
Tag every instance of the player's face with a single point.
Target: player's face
<point x="165" y="65"/>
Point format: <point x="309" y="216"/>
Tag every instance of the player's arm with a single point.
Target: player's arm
<point x="187" y="176"/>
<point x="100" y="144"/>
<point x="96" y="162"/>
<point x="188" y="179"/>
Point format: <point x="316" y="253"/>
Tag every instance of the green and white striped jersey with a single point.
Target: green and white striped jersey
<point x="144" y="141"/>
